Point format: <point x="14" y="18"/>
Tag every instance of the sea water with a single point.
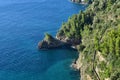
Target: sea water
<point x="22" y="25"/>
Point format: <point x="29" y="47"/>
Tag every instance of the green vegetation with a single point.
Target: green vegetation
<point x="111" y="43"/>
<point x="48" y="37"/>
<point x="98" y="28"/>
<point x="75" y="25"/>
<point x="110" y="49"/>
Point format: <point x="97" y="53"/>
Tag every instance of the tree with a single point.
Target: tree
<point x="83" y="18"/>
<point x="117" y="48"/>
<point x="96" y="43"/>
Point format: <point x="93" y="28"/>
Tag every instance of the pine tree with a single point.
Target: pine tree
<point x="117" y="48"/>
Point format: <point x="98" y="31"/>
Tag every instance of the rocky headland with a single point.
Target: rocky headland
<point x="50" y="42"/>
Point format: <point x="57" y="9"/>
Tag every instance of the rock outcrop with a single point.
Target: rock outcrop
<point x="82" y="1"/>
<point x="70" y="41"/>
<point x="49" y="42"/>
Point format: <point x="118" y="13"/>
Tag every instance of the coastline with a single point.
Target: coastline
<point x="82" y="3"/>
<point x="90" y="65"/>
<point x="71" y="44"/>
<point x="72" y="47"/>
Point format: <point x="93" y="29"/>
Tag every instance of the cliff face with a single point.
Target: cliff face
<point x="98" y="30"/>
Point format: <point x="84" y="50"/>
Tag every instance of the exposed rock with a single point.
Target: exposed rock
<point x="100" y="57"/>
<point x="49" y="42"/>
<point x="70" y="41"/>
<point x="75" y="66"/>
<point x="89" y="77"/>
<point x="107" y="78"/>
<point x="81" y="1"/>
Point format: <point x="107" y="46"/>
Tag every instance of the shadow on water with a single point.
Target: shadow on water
<point x="59" y="54"/>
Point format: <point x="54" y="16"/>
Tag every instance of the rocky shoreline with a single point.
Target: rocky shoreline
<point x="79" y="2"/>
<point x="50" y="42"/>
<point x="91" y="62"/>
<point x="61" y="41"/>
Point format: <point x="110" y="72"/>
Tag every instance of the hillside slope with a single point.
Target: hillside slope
<point x="98" y="31"/>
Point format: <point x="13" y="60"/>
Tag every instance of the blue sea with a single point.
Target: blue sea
<point x="22" y="25"/>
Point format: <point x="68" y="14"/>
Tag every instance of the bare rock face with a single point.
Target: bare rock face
<point x="70" y="41"/>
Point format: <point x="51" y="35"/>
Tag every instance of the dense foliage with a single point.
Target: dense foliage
<point x="48" y="37"/>
<point x="76" y="24"/>
<point x="99" y="30"/>
<point x="110" y="49"/>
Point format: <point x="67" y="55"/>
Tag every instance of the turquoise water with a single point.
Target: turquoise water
<point x="22" y="25"/>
